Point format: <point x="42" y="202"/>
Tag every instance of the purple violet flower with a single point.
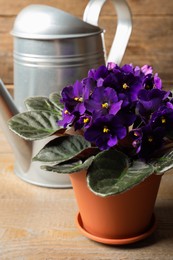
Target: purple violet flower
<point x="111" y="66"/>
<point x="99" y="73"/>
<point x="67" y="118"/>
<point x="90" y="84"/>
<point x="125" y="81"/>
<point x="163" y="117"/>
<point x="114" y="102"/>
<point x="84" y="121"/>
<point x="152" y="140"/>
<point x="146" y="69"/>
<point x="74" y="96"/>
<point x="150" y="100"/>
<point x="169" y="104"/>
<point x="103" y="101"/>
<point x="127" y="115"/>
<point x="105" y="132"/>
<point x="136" y="135"/>
<point x="151" y="82"/>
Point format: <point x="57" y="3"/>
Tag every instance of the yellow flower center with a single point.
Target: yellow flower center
<point x="79" y="99"/>
<point x="148" y="87"/>
<point x="150" y="139"/>
<point x="163" y="120"/>
<point x="136" y="134"/>
<point x="86" y="120"/>
<point x="125" y="86"/>
<point x="105" y="105"/>
<point x="105" y="129"/>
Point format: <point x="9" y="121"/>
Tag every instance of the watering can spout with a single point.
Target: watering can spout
<point x="22" y="149"/>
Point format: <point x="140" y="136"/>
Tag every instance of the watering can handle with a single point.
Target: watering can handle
<point x="124" y="25"/>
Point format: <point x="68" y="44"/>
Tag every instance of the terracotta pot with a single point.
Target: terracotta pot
<point x="117" y="219"/>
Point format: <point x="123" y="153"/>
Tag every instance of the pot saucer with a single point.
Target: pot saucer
<point x="115" y="241"/>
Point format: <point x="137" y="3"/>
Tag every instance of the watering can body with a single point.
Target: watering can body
<point x="53" y="49"/>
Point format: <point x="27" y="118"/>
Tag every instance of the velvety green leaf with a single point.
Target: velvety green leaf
<point x="106" y="168"/>
<point x="70" y="167"/>
<point x="164" y="163"/>
<point x="34" y="125"/>
<point x="62" y="149"/>
<point x="110" y="173"/>
<point x="134" y="175"/>
<point x="55" y="99"/>
<point x="40" y="103"/>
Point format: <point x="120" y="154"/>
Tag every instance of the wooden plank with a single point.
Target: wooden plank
<point x="76" y="7"/>
<point x="6" y="67"/>
<point x="143" y="8"/>
<point x="12" y="8"/>
<point x="145" y="33"/>
<point x="154" y="7"/>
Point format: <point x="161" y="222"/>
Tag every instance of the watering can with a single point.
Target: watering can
<point x="51" y="50"/>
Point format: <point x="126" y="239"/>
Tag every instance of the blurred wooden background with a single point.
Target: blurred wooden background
<point x="151" y="41"/>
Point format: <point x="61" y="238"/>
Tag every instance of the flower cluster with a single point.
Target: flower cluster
<point x="114" y="104"/>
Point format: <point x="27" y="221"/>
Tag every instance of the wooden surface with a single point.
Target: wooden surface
<point x="151" y="40"/>
<point x="38" y="223"/>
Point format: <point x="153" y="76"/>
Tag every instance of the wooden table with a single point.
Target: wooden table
<point x="38" y="223"/>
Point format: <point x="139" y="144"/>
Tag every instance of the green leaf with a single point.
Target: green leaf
<point x="62" y="149"/>
<point x="110" y="174"/>
<point x="34" y="125"/>
<point x="164" y="163"/>
<point x="42" y="104"/>
<point x="39" y="103"/>
<point x="134" y="175"/>
<point x="55" y="99"/>
<point x="105" y="169"/>
<point x="69" y="167"/>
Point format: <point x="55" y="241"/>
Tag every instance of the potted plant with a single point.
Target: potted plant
<point x="114" y="137"/>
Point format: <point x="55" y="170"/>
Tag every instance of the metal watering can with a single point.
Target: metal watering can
<point x="51" y="50"/>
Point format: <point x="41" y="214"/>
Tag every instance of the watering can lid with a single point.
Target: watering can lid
<point x="46" y="22"/>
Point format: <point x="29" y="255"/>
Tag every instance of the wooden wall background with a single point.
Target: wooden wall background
<point x="151" y="41"/>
